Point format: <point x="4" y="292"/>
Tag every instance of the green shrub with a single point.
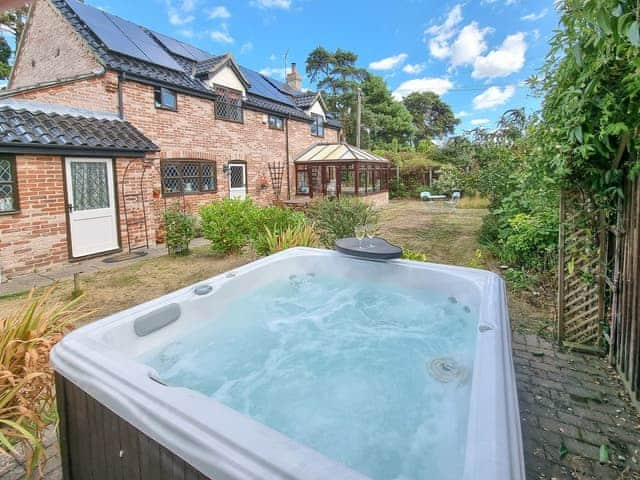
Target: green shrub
<point x="180" y="227"/>
<point x="276" y="220"/>
<point x="338" y="218"/>
<point x="397" y="189"/>
<point x="232" y="224"/>
<point x="228" y="223"/>
<point x="302" y="235"/>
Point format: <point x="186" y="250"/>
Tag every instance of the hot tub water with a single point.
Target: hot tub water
<point x="343" y="366"/>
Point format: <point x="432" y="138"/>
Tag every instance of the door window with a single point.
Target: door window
<point x="90" y="185"/>
<point x="236" y="174"/>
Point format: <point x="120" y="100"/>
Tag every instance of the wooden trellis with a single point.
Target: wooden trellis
<point x="276" y="171"/>
<point x="581" y="276"/>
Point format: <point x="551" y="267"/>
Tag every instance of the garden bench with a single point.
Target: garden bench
<point x="429" y="197"/>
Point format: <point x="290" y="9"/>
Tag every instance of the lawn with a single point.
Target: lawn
<point x="445" y="235"/>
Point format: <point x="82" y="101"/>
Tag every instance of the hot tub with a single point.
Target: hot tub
<point x="308" y="365"/>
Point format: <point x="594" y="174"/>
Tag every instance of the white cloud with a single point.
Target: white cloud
<point x="413" y="69"/>
<point x="468" y="45"/>
<point x="504" y="61"/>
<point x="246" y="47"/>
<point x="179" y="18"/>
<point x="180" y="12"/>
<point x="222" y="35"/>
<point x="219" y="12"/>
<point x="273" y="72"/>
<point x="388" y="63"/>
<point x="186" y="32"/>
<point x="479" y="121"/>
<point x="283" y="4"/>
<point x="439" y="86"/>
<point x="462" y="114"/>
<point x="493" y="96"/>
<point x="532" y="17"/>
<point x="441" y="34"/>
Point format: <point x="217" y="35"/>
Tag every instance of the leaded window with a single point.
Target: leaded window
<point x="8" y="185"/>
<point x="229" y="104"/>
<point x="317" y="125"/>
<point x="187" y="176"/>
<point x="90" y="185"/>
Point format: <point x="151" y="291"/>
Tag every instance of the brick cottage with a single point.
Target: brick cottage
<point x="105" y="123"/>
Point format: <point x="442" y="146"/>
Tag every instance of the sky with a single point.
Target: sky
<point x="475" y="54"/>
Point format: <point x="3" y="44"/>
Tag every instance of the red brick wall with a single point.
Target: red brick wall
<point x="51" y="50"/>
<point x="96" y="93"/>
<point x="36" y="236"/>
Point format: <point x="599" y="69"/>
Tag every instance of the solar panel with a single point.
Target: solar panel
<point x="149" y="47"/>
<point x="181" y="48"/>
<point x="122" y="36"/>
<point x="260" y="86"/>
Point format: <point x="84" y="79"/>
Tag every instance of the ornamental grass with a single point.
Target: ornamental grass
<point x="28" y="332"/>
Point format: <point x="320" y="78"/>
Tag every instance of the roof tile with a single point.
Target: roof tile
<point x="28" y="128"/>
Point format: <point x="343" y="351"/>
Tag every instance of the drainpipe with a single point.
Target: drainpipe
<point x="286" y="137"/>
<point x="120" y="102"/>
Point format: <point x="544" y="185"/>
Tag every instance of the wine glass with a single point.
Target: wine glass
<point x="360" y="232"/>
<point x="370" y="230"/>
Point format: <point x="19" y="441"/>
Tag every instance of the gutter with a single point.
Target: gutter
<point x="66" y="151"/>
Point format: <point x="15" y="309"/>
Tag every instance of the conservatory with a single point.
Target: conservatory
<point x="335" y="169"/>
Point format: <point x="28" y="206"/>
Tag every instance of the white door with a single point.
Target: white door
<point x="237" y="180"/>
<point x="91" y="205"/>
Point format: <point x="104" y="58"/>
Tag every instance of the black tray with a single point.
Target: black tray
<point x="375" y="249"/>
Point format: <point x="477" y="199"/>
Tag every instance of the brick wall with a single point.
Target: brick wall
<point x="97" y="93"/>
<point x="35" y="237"/>
<point x="51" y="50"/>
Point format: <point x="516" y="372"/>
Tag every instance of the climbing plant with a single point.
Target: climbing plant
<point x="591" y="88"/>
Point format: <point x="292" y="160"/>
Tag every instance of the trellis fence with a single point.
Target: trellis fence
<point x="599" y="282"/>
<point x="581" y="274"/>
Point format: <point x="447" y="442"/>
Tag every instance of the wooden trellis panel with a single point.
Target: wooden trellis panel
<point x="581" y="274"/>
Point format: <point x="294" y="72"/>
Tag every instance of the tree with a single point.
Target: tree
<point x="5" y="55"/>
<point x="12" y="22"/>
<point x="432" y="117"/>
<point x="384" y="118"/>
<point x="337" y="77"/>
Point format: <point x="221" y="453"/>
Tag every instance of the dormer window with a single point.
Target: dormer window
<point x="276" y="123"/>
<point x="166" y="98"/>
<point x="317" y="125"/>
<point x="229" y="104"/>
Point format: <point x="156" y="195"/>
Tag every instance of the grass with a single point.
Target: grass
<point x="115" y="289"/>
<point x="444" y="234"/>
<point x="450" y="236"/>
<point x="474" y="202"/>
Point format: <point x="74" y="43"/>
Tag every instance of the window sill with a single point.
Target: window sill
<point x="180" y="194"/>
<point x="10" y="212"/>
<point x="230" y="120"/>
<point x="168" y="109"/>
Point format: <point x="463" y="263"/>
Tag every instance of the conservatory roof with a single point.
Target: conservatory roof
<point x="337" y="152"/>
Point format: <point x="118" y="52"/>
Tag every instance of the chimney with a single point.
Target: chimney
<point x="294" y="80"/>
